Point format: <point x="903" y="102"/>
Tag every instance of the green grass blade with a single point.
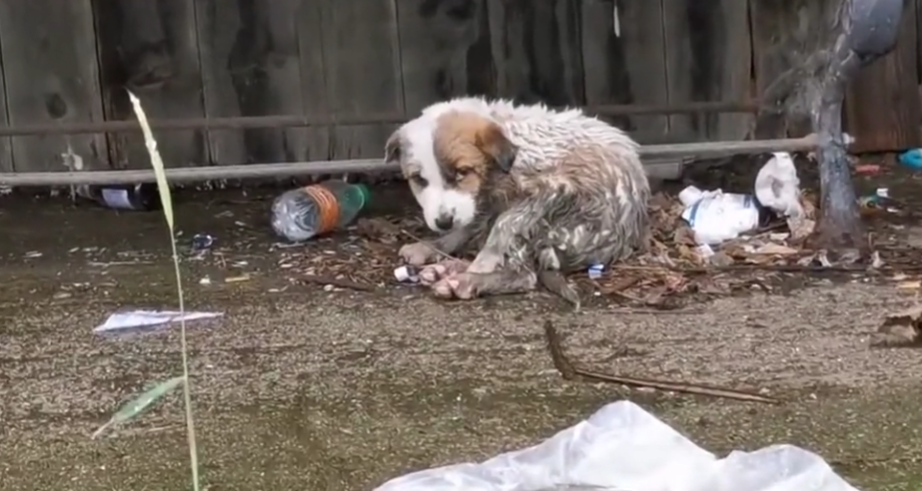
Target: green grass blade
<point x="167" y="204"/>
<point x="155" y="160"/>
<point x="136" y="406"/>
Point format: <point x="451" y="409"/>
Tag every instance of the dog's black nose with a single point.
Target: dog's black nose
<point x="444" y="222"/>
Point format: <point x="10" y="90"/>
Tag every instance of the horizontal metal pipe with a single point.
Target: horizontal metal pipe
<point x="187" y="174"/>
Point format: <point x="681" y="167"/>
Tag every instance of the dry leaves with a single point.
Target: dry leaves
<point x="900" y="329"/>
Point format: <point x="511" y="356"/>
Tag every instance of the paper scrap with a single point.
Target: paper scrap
<point x="148" y="318"/>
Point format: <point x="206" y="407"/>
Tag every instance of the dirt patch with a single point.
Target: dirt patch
<point x="311" y="389"/>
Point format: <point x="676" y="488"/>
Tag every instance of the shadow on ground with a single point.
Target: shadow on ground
<point x="304" y="388"/>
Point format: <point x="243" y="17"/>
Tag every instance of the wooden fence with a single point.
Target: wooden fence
<point x="69" y="61"/>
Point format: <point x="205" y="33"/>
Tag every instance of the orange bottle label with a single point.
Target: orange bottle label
<point x="328" y="207"/>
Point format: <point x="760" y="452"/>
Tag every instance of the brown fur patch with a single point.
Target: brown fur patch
<point x="469" y="149"/>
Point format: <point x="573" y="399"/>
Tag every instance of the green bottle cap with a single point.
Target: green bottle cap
<point x="365" y="192"/>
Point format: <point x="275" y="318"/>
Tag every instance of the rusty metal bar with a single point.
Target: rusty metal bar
<point x="294" y="121"/>
<point x="651" y="154"/>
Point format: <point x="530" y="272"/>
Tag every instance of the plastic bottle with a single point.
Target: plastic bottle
<point x="300" y="214"/>
<point x="716" y="216"/>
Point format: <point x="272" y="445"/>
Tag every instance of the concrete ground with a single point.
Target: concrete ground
<point x="302" y="388"/>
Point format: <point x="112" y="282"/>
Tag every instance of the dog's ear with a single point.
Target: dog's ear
<point x="495" y="145"/>
<point x="392" y="148"/>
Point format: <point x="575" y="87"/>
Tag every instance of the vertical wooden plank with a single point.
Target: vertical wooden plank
<point x="537" y="50"/>
<point x="51" y="72"/>
<point x="630" y="68"/>
<point x="251" y="66"/>
<point x="605" y="72"/>
<point x="883" y="108"/>
<point x="784" y="34"/>
<point x="150" y="47"/>
<point x="362" y="63"/>
<point x="708" y="58"/>
<point x="436" y="39"/>
<point x="6" y="143"/>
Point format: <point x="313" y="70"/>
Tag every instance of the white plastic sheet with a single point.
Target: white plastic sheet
<point x="622" y="447"/>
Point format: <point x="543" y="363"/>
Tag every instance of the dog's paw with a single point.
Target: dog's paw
<point x="434" y="273"/>
<point x="462" y="286"/>
<point x="418" y="254"/>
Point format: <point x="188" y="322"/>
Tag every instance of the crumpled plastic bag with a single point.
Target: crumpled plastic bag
<point x="622" y="447"/>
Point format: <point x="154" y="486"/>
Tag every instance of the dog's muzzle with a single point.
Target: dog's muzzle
<point x="444" y="222"/>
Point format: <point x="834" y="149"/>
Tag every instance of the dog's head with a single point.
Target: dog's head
<point x="450" y="160"/>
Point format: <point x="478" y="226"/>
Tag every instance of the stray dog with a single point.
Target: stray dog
<point x="544" y="192"/>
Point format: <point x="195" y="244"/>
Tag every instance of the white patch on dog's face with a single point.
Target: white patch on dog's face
<point x="444" y="208"/>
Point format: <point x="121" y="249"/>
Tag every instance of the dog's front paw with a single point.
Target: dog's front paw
<point x="463" y="286"/>
<point x="418" y="254"/>
<point x="434" y="273"/>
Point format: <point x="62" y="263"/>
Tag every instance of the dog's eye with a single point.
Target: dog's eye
<point x="419" y="181"/>
<point x="462" y="173"/>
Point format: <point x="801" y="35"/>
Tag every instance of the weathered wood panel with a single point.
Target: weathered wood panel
<point x="252" y="66"/>
<point x="51" y="74"/>
<point x="708" y="58"/>
<point x="6" y="144"/>
<point x="627" y="66"/>
<point x="536" y="49"/>
<point x="441" y="50"/>
<point x="151" y="48"/>
<point x="361" y="55"/>
<point x="883" y="109"/>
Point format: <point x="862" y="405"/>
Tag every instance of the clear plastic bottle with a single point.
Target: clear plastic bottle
<point x="300" y="214"/>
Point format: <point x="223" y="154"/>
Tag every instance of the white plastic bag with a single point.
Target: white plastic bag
<point x="778" y="187"/>
<point x="622" y="447"/>
<point x="715" y="216"/>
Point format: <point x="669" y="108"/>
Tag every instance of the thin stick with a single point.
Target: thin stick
<point x="338" y="283"/>
<point x="569" y="372"/>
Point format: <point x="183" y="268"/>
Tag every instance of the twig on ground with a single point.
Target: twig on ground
<point x="569" y="372"/>
<point x="338" y="283"/>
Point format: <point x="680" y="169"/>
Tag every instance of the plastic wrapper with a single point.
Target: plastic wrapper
<point x="622" y="447"/>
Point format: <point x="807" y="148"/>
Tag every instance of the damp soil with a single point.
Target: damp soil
<point x="307" y="386"/>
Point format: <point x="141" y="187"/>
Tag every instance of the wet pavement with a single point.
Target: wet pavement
<point x="299" y="387"/>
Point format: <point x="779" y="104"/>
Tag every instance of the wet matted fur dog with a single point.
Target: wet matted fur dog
<point x="541" y="191"/>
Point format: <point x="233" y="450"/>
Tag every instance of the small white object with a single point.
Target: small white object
<point x="117" y="199"/>
<point x="406" y="274"/>
<point x="883" y="192"/>
<point x="148" y="318"/>
<point x="595" y="271"/>
<point x="622" y="447"/>
<point x="717" y="216"/>
<point x="690" y="195"/>
<point x="777" y="186"/>
<point x="705" y="251"/>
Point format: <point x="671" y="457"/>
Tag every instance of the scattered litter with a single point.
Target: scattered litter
<point x="300" y="214"/>
<point x="237" y="279"/>
<point x="148" y="318"/>
<point x="715" y="216"/>
<point x="867" y="169"/>
<point x="33" y="254"/>
<point x="909" y="285"/>
<point x="777" y="186"/>
<point x="138" y="197"/>
<point x="204" y="281"/>
<point x="705" y="251"/>
<point x="202" y="242"/>
<point x="407" y="274"/>
<point x="622" y="446"/>
<point x="911" y="159"/>
<point x="596" y="271"/>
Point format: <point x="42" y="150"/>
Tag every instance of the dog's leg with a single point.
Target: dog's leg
<point x="509" y="239"/>
<point x="423" y="253"/>
<point x="466" y="286"/>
